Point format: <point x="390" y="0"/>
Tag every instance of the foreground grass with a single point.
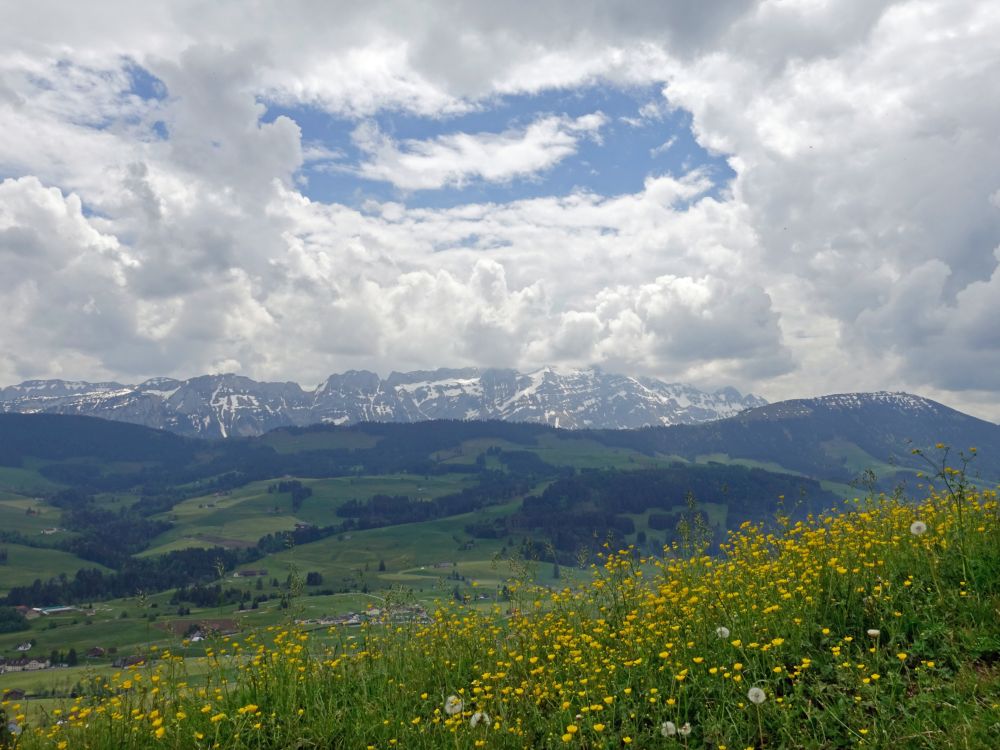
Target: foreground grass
<point x="873" y="627"/>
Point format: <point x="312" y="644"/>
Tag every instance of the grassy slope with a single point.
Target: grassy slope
<point x="410" y="551"/>
<point x="14" y="515"/>
<point x="26" y="479"/>
<point x="25" y="564"/>
<point x="247" y="514"/>
<point x="605" y="664"/>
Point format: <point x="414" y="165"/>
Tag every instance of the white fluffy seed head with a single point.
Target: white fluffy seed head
<point x="453" y="705"/>
<point x="874" y="632"/>
<point x="668" y="729"/>
<point x="685" y="730"/>
<point x="756" y="695"/>
<point x="722" y="631"/>
<point x="918" y="527"/>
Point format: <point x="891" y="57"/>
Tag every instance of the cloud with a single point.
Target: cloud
<point x="937" y="339"/>
<point x="680" y="327"/>
<point x="455" y="159"/>
<point x="649" y="113"/>
<point x="663" y="147"/>
<point x="856" y="246"/>
<point x="865" y="164"/>
<point x="62" y="279"/>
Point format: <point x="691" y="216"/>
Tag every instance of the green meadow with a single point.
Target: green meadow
<point x="25" y="564"/>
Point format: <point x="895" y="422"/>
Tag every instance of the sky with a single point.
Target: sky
<point x="792" y="197"/>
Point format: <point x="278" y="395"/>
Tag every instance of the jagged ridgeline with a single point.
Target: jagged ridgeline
<point x="231" y="405"/>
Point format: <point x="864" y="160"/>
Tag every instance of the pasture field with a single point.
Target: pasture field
<point x="26" y="514"/>
<point x="410" y="552"/>
<point x="25" y="564"/>
<point x="240" y="518"/>
<point x="856" y="460"/>
<point x="82" y="631"/>
<point x="26" y="480"/>
<point x="582" y="453"/>
<point x="557" y="450"/>
<point x="469" y="450"/>
<point x="145" y="625"/>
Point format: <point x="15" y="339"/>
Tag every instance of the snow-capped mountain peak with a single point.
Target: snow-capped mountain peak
<point x="230" y="405"/>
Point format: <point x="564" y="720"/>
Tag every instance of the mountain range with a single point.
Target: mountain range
<point x="219" y="406"/>
<point x="835" y="438"/>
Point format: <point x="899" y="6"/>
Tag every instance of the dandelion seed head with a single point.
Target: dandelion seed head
<point x="874" y="632"/>
<point x="668" y="729"/>
<point x="918" y="527"/>
<point x="453" y="705"/>
<point x="756" y="695"/>
<point x="685" y="730"/>
<point x="722" y="631"/>
<point x="479" y="717"/>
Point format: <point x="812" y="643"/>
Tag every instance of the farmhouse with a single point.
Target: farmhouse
<point x="250" y="573"/>
<point x="23" y="665"/>
<point x="54" y="610"/>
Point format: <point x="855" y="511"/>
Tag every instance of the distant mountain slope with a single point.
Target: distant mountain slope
<point x="833" y="436"/>
<point x="59" y="437"/>
<point x="231" y="405"/>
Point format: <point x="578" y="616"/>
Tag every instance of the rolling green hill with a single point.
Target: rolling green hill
<point x="133" y="502"/>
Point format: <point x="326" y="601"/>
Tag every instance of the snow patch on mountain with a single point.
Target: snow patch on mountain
<point x="233" y="406"/>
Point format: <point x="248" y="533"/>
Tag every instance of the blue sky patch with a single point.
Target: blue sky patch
<point x="143" y="83"/>
<point x="641" y="138"/>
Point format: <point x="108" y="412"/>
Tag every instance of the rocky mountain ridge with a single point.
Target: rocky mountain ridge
<point x="230" y="405"/>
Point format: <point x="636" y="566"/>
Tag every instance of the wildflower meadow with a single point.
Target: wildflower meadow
<point x="875" y="625"/>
